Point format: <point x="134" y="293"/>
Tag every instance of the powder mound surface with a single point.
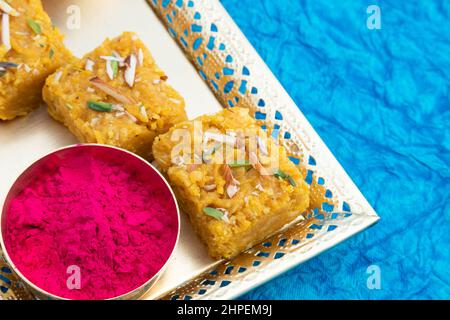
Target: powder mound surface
<point x="116" y="224"/>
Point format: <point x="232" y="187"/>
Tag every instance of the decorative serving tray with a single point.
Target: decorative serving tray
<point x="211" y="63"/>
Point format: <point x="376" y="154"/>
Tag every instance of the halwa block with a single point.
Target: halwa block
<point x="236" y="184"/>
<point x="115" y="95"/>
<point x="31" y="48"/>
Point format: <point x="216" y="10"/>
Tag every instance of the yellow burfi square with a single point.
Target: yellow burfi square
<point x="31" y="48"/>
<point x="115" y="95"/>
<point x="237" y="185"/>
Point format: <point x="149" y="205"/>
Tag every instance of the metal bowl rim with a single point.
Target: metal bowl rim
<point x="135" y="292"/>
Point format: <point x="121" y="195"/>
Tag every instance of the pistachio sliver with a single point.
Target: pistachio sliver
<point x="284" y="176"/>
<point x="8" y="65"/>
<point x="4" y="66"/>
<point x="213" y="212"/>
<point x="100" y="106"/>
<point x="115" y="68"/>
<point x="292" y="181"/>
<point x="34" y="26"/>
<point x="238" y="164"/>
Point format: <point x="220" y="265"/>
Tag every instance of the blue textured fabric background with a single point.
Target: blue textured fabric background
<point x="380" y="101"/>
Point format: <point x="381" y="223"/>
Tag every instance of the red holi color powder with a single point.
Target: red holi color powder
<point x="100" y="210"/>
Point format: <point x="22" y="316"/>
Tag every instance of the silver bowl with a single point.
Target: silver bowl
<point x="58" y="155"/>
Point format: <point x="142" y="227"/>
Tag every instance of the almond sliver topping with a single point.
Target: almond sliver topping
<point x="109" y="70"/>
<point x="262" y="146"/>
<point x="210" y="187"/>
<point x="122" y="60"/>
<point x="229" y="140"/>
<point x="143" y="111"/>
<point x="58" y="76"/>
<point x="132" y="118"/>
<point x="130" y="72"/>
<point x="90" y="65"/>
<point x="232" y="185"/>
<point x="259" y="187"/>
<point x="6" y="8"/>
<point x="141" y="57"/>
<point x="257" y="165"/>
<point x="111" y="91"/>
<point x="112" y="58"/>
<point x="5" y="31"/>
<point x="118" y="107"/>
<point x="176" y="101"/>
<point x="225" y="216"/>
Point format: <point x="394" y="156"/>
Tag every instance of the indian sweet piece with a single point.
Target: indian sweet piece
<point x="31" y="48"/>
<point x="237" y="185"/>
<point x="115" y="95"/>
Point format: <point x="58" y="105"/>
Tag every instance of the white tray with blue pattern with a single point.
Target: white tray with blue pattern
<point x="211" y="63"/>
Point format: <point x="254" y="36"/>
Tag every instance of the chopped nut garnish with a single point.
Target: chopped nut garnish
<point x="100" y="106"/>
<point x="217" y="213"/>
<point x="112" y="58"/>
<point x="112" y="65"/>
<point x="284" y="176"/>
<point x="143" y="111"/>
<point x="257" y="165"/>
<point x="8" y="65"/>
<point x="141" y="57"/>
<point x="259" y="187"/>
<point x="130" y="72"/>
<point x="118" y="107"/>
<point x="6" y="8"/>
<point x="5" y="31"/>
<point x="132" y="118"/>
<point x="238" y="164"/>
<point x="4" y="66"/>
<point x="109" y="69"/>
<point x="175" y="101"/>
<point x="94" y="121"/>
<point x="90" y="65"/>
<point x="111" y="91"/>
<point x="262" y="146"/>
<point x="210" y="187"/>
<point x="58" y="76"/>
<point x="232" y="185"/>
<point x="34" y="26"/>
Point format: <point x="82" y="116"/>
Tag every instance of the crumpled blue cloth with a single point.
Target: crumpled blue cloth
<point x="380" y="100"/>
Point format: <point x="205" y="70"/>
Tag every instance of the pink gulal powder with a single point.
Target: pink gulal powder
<point x="112" y="217"/>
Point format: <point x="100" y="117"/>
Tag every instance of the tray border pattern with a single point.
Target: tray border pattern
<point x="236" y="74"/>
